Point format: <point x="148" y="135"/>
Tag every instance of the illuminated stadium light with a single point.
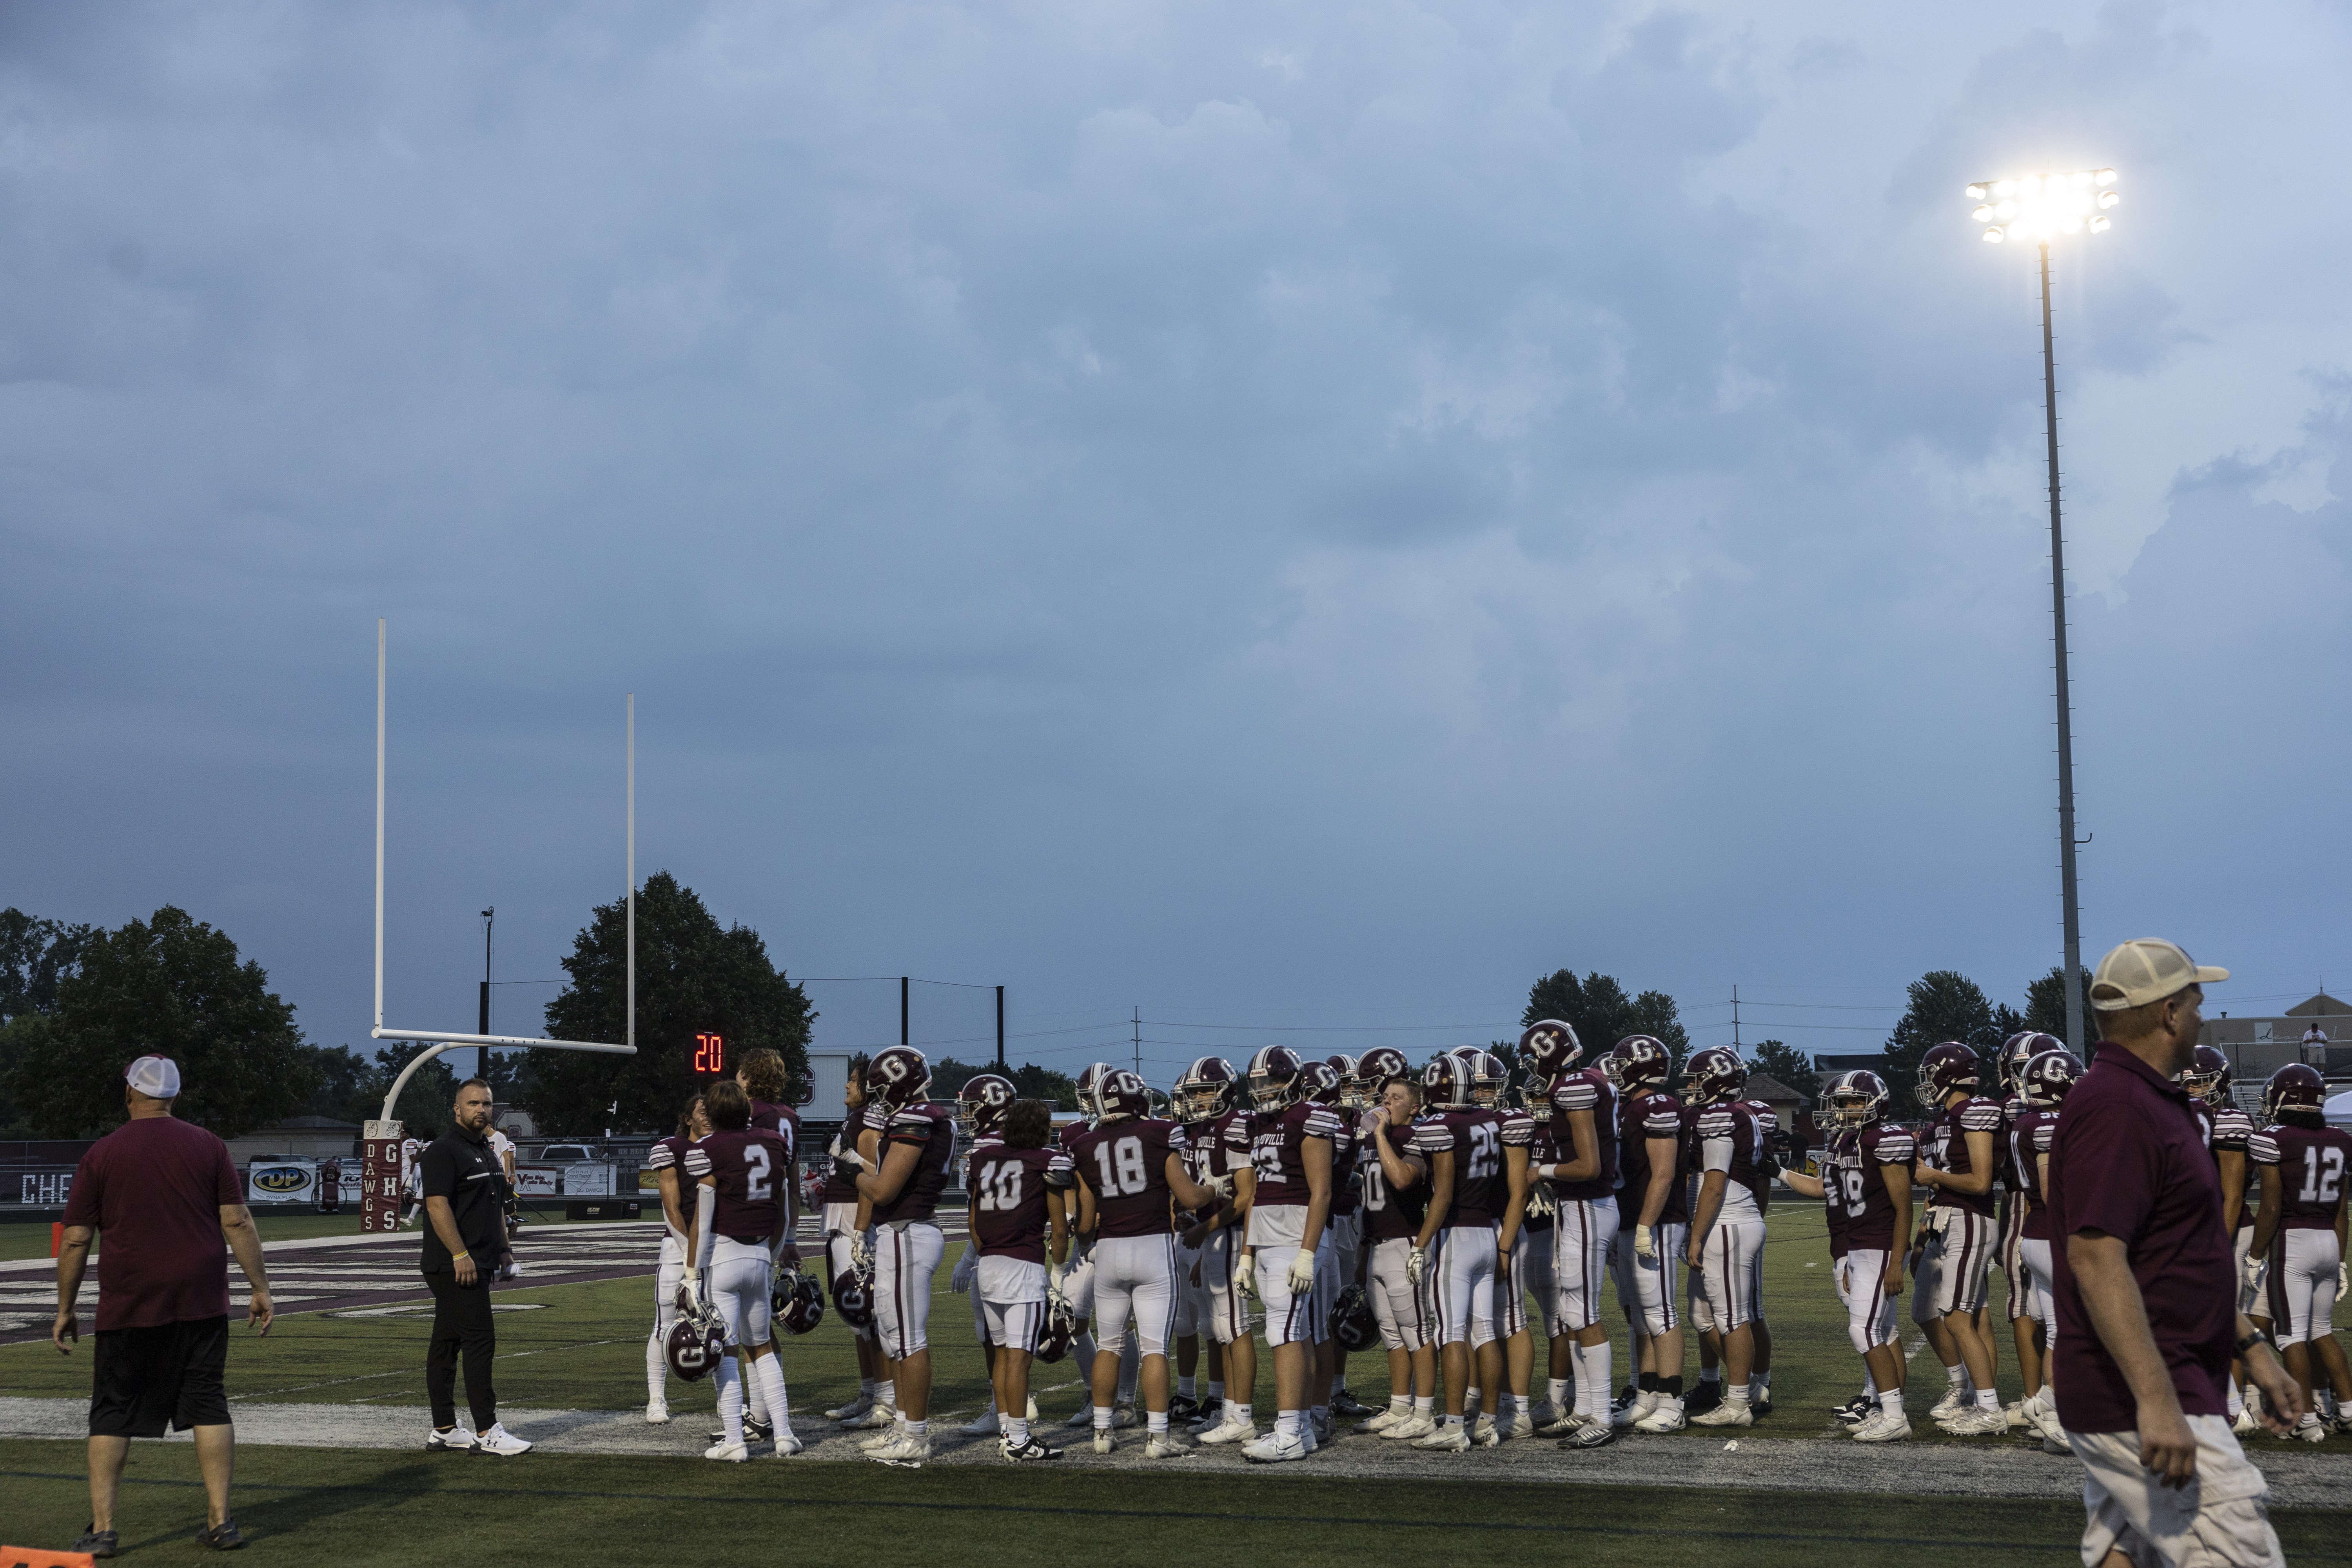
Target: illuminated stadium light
<point x="2040" y="207"/>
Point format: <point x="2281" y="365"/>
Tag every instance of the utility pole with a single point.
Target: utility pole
<point x="488" y="919"/>
<point x="1000" y="1028"/>
<point x="1138" y="1042"/>
<point x="1735" y="1017"/>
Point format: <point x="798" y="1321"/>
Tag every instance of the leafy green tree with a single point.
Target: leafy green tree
<point x="1944" y="1006"/>
<point x="350" y="1089"/>
<point x="2045" y="1003"/>
<point x="35" y="955"/>
<point x="1602" y="1014"/>
<point x="171" y="986"/>
<point x="1785" y="1062"/>
<point x="694" y="976"/>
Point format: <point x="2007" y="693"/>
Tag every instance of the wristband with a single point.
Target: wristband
<point x="2248" y="1343"/>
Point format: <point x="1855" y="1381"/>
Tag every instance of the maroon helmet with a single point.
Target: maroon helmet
<point x="1206" y="1089"/>
<point x="1446" y="1082"/>
<point x="982" y="1104"/>
<point x="1714" y="1076"/>
<point x="2019" y="1050"/>
<point x="1352" y="1322"/>
<point x="796" y="1301"/>
<point x="1639" y="1063"/>
<point x="1488" y="1078"/>
<point x="853" y="1298"/>
<point x="1548" y="1047"/>
<point x="1274" y="1077"/>
<point x="1350" y="1093"/>
<point x="2295" y="1093"/>
<point x="1947" y="1069"/>
<point x="1857" y="1099"/>
<point x="1320" y="1082"/>
<point x="1376" y="1066"/>
<point x="2207" y="1075"/>
<point x="1120" y="1093"/>
<point x="898" y="1078"/>
<point x="2046" y="1077"/>
<point x="694" y="1344"/>
<point x="1089" y="1082"/>
<point x="1059" y="1331"/>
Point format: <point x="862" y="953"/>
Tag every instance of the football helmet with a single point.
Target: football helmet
<point x="1548" y="1047"/>
<point x="1320" y="1082"/>
<point x="898" y="1078"/>
<point x="1947" y="1069"/>
<point x="1162" y="1106"/>
<point x="2294" y="1093"/>
<point x="1446" y="1082"/>
<point x="2208" y="1076"/>
<point x="1714" y="1076"/>
<point x="694" y="1344"/>
<point x="1205" y="1089"/>
<point x="1089" y="1083"/>
<point x="1060" y="1330"/>
<point x="1352" y="1323"/>
<point x="1488" y="1078"/>
<point x="2047" y="1076"/>
<point x="982" y="1104"/>
<point x="2016" y="1051"/>
<point x="796" y="1301"/>
<point x="1351" y="1095"/>
<point x="1857" y="1099"/>
<point x="1120" y="1093"/>
<point x="1274" y="1077"/>
<point x="1638" y="1064"/>
<point x="1376" y="1066"/>
<point x="853" y="1298"/>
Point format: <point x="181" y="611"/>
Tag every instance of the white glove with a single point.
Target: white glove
<point x="1416" y="1264"/>
<point x="1645" y="1244"/>
<point x="1222" y="1186"/>
<point x="2343" y="1283"/>
<point x="967" y="1269"/>
<point x="1245" y="1273"/>
<point x="1540" y="1202"/>
<point x="689" y="1297"/>
<point x="2257" y="1271"/>
<point x="1302" y="1272"/>
<point x="861" y="1253"/>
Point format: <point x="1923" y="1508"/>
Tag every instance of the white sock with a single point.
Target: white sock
<point x="1734" y="1393"/>
<point x="865" y="1389"/>
<point x="730" y="1400"/>
<point x="1956" y="1375"/>
<point x="1556" y="1390"/>
<point x="885" y="1395"/>
<point x="1424" y="1406"/>
<point x="1322" y="1414"/>
<point x="918" y="1428"/>
<point x="1710" y="1374"/>
<point x="1285" y="1422"/>
<point x="1238" y="1415"/>
<point x="1400" y="1402"/>
<point x="1505" y="1404"/>
<point x="656" y="1370"/>
<point x="1102" y="1418"/>
<point x="1890" y="1402"/>
<point x="1453" y="1420"/>
<point x="1155" y="1421"/>
<point x="1869" y="1382"/>
<point x="1016" y="1430"/>
<point x="1988" y="1400"/>
<point x="1596" y="1365"/>
<point x="2237" y="1401"/>
<point x="768" y="1379"/>
<point x="1131" y="1362"/>
<point x="755" y="1396"/>
<point x="1762" y="1380"/>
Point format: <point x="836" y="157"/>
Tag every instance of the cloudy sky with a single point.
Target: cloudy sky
<point x="1266" y="514"/>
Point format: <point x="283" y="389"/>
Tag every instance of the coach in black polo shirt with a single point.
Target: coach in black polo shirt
<point x="465" y="1245"/>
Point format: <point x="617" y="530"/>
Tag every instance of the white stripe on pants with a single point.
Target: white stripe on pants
<point x="1584" y="1242"/>
<point x="904" y="1258"/>
<point x="1135" y="1274"/>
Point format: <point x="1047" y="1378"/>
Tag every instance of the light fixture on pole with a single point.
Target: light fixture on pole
<point x="2039" y="208"/>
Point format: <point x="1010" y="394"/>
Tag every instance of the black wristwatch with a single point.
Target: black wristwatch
<point x="2248" y="1343"/>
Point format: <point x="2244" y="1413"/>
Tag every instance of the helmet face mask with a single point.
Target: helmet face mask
<point x="1857" y="1099"/>
<point x="982" y="1104"/>
<point x="898" y="1078"/>
<point x="1637" y="1064"/>
<point x="2297" y="1094"/>
<point x="1090" y="1090"/>
<point x="1274" y="1079"/>
<point x="1488" y="1078"/>
<point x="1374" y="1070"/>
<point x="1206" y="1089"/>
<point x="2208" y="1076"/>
<point x="694" y="1344"/>
<point x="797" y="1303"/>
<point x="1714" y="1076"/>
<point x="1947" y="1069"/>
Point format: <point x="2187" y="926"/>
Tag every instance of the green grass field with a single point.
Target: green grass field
<point x="582" y="1349"/>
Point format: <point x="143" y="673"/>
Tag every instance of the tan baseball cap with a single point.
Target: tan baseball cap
<point x="2147" y="969"/>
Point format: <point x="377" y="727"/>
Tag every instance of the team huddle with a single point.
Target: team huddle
<point x="1338" y="1207"/>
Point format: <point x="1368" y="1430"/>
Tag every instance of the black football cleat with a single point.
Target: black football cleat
<point x="98" y="1543"/>
<point x="1593" y="1434"/>
<point x="222" y="1537"/>
<point x="1027" y="1452"/>
<point x="1703" y="1398"/>
<point x="1183" y="1407"/>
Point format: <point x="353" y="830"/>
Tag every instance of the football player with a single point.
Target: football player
<point x="763" y="1077"/>
<point x="1464" y="1146"/>
<point x="2227" y="1132"/>
<point x="1396" y="1197"/>
<point x="663" y="1159"/>
<point x="1078" y="1280"/>
<point x="1515" y="1415"/>
<point x="1132" y="1177"/>
<point x="1957" y="1161"/>
<point x="2299" y="1236"/>
<point x="842" y="1225"/>
<point x="741" y="1228"/>
<point x="2041" y="1085"/>
<point x="1727" y="1231"/>
<point x="1581" y="1180"/>
<point x="918" y="1152"/>
<point x="1657" y="1217"/>
<point x="1872" y="1170"/>
<point x="1822" y="1182"/>
<point x="2024" y="1326"/>
<point x="1291" y="1139"/>
<point x="1017" y="1184"/>
<point x="982" y="1106"/>
<point x="1532" y="1258"/>
<point x="1348" y="1098"/>
<point x="1212" y="1100"/>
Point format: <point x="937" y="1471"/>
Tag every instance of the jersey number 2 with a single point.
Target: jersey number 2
<point x="756" y="1188"/>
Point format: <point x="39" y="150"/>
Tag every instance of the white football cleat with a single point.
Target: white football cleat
<point x="1415" y="1425"/>
<point x="1730" y="1413"/>
<point x="1446" y="1439"/>
<point x="1274" y="1449"/>
<point x="1978" y="1423"/>
<point x="884" y="1438"/>
<point x="906" y="1452"/>
<point x="2245" y="1425"/>
<point x="1483" y="1433"/>
<point x="1519" y="1423"/>
<point x="1385" y="1419"/>
<point x="1105" y="1442"/>
<point x="499" y="1440"/>
<point x="1028" y="1452"/>
<point x="1645" y="1405"/>
<point x="1951" y="1405"/>
<point x="989" y="1424"/>
<point x="1887" y="1426"/>
<point x="2055" y="1441"/>
<point x="788" y="1443"/>
<point x="1564" y="1424"/>
<point x="1164" y="1446"/>
<point x="2310" y="1429"/>
<point x="728" y="1453"/>
<point x="2015" y="1411"/>
<point x="874" y="1418"/>
<point x="1234" y="1431"/>
<point x="656" y="1412"/>
<point x="851" y="1411"/>
<point x="1318" y="1433"/>
<point x="1666" y="1417"/>
<point x="1033" y="1407"/>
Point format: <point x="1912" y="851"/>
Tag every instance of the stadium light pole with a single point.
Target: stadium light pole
<point x="2041" y="208"/>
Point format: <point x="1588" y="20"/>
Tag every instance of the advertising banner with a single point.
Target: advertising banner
<point x="379" y="1180"/>
<point x="537" y="1181"/>
<point x="268" y="1181"/>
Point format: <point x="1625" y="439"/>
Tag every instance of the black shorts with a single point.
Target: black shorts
<point x="169" y="1376"/>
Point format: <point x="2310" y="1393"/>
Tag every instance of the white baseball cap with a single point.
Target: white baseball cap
<point x="157" y="1078"/>
<point x="2147" y="969"/>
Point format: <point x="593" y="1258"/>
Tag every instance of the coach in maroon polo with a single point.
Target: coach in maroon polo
<point x="2147" y="1291"/>
<point x="165" y="1197"/>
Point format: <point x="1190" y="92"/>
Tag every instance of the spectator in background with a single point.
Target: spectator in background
<point x="465" y="1245"/>
<point x="330" y="1185"/>
<point x="165" y="1196"/>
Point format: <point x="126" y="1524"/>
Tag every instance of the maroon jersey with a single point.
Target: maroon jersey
<point x="1725" y="1138"/>
<point x="2228" y="1129"/>
<point x="930" y="1128"/>
<point x="1945" y="1142"/>
<point x="1344" y="1145"/>
<point x="1861" y="1166"/>
<point x="1389" y="1213"/>
<point x="1474" y="1138"/>
<point x="1541" y="1151"/>
<point x="1588" y="1091"/>
<point x="2307" y="1162"/>
<point x="1767" y="1121"/>
<point x="1125" y="1163"/>
<point x="2030" y="1135"/>
<point x="748" y="1169"/>
<point x="780" y="1119"/>
<point x="1834" y="1189"/>
<point x="1652" y="1114"/>
<point x="1278" y="1150"/>
<point x="840" y="1189"/>
<point x="1007" y="1188"/>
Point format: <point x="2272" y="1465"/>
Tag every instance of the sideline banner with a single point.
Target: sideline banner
<point x="270" y="1181"/>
